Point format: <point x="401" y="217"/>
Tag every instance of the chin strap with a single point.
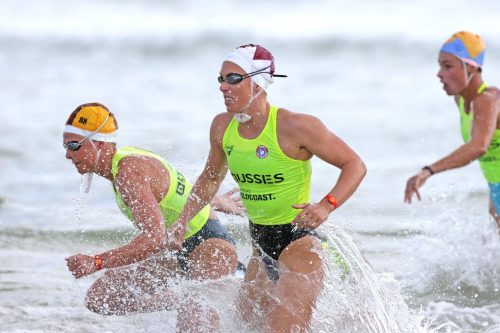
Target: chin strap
<point x="468" y="76"/>
<point x="87" y="178"/>
<point x="242" y="117"/>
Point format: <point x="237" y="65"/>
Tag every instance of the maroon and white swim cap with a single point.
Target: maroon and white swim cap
<point x="252" y="58"/>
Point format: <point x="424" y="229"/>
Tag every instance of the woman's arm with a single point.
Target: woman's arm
<point x="206" y="185"/>
<point x="483" y="128"/>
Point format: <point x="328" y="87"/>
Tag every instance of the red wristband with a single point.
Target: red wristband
<point x="98" y="262"/>
<point x="332" y="200"/>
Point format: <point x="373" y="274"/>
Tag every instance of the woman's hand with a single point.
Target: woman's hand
<point x="81" y="265"/>
<point x="311" y="216"/>
<point x="175" y="236"/>
<point x="414" y="183"/>
<point x="229" y="203"/>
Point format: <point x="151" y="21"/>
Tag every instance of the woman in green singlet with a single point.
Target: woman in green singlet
<point x="267" y="150"/>
<point x="151" y="193"/>
<point x="460" y="67"/>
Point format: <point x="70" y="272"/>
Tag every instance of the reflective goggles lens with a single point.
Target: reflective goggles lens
<point x="72" y="145"/>
<point x="232" y="78"/>
<point x="235" y="78"/>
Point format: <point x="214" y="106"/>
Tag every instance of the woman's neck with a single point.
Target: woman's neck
<point x="470" y="92"/>
<point x="105" y="163"/>
<point x="259" y="111"/>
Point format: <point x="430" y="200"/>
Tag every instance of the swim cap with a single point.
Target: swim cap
<point x="466" y="46"/>
<point x="93" y="119"/>
<point x="253" y="58"/>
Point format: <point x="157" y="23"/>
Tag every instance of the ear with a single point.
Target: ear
<point x="256" y="87"/>
<point x="472" y="69"/>
<point x="100" y="144"/>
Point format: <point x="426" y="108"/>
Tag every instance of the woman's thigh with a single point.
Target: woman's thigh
<point x="301" y="271"/>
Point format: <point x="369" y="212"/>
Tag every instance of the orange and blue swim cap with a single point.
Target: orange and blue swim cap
<point x="466" y="46"/>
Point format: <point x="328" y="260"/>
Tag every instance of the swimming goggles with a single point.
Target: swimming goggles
<point x="235" y="78"/>
<point x="75" y="145"/>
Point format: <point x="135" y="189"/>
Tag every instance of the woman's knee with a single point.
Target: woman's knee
<point x="213" y="259"/>
<point x="193" y="316"/>
<point x="97" y="299"/>
<point x="103" y="296"/>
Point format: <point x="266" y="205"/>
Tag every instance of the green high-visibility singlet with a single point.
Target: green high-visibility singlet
<point x="270" y="182"/>
<point x="172" y="204"/>
<point x="490" y="161"/>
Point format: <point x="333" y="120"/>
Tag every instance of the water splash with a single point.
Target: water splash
<point x="463" y="318"/>
<point x="356" y="298"/>
<point x="459" y="252"/>
<point x="85" y="183"/>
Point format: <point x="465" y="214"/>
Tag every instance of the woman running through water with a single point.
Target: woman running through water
<point x="460" y="67"/>
<point x="151" y="193"/>
<point x="268" y="151"/>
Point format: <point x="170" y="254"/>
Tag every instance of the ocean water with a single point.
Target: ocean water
<point x="367" y="69"/>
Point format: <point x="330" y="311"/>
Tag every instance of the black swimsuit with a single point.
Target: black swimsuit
<point x="211" y="229"/>
<point x="271" y="240"/>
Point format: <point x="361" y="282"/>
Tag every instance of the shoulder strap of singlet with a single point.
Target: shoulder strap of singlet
<point x="461" y="100"/>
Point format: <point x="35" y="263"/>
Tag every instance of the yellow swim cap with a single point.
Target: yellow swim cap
<point x="93" y="119"/>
